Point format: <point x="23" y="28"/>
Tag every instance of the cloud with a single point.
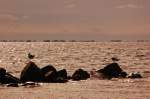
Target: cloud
<point x="133" y="6"/>
<point x="8" y="17"/>
<point x="25" y="17"/>
<point x="11" y="17"/>
<point x="70" y="6"/>
<point x="70" y="3"/>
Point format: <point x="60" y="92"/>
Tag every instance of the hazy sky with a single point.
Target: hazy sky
<point x="74" y="19"/>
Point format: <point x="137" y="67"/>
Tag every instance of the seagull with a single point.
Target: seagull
<point x="30" y="56"/>
<point x="114" y="59"/>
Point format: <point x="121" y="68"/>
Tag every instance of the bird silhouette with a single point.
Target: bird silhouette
<point x="114" y="59"/>
<point x="30" y="56"/>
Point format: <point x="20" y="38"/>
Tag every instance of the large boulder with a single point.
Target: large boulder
<point x="31" y="72"/>
<point x="47" y="68"/>
<point x="80" y="74"/>
<point x="56" y="76"/>
<point x="61" y="76"/>
<point x="49" y="73"/>
<point x="111" y="70"/>
<point x="50" y="76"/>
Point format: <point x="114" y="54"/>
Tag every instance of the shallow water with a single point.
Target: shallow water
<point x="73" y="55"/>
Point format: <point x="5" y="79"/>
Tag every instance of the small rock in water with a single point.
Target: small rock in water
<point x="30" y="84"/>
<point x="13" y="85"/>
<point x="134" y="75"/>
<point x="80" y="74"/>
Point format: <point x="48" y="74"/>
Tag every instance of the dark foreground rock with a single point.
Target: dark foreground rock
<point x="49" y="73"/>
<point x="56" y="76"/>
<point x="6" y="78"/>
<point x="48" y="68"/>
<point x="2" y="74"/>
<point x="112" y="70"/>
<point x="31" y="72"/>
<point x="123" y="74"/>
<point x="10" y="79"/>
<point x="62" y="76"/>
<point x="80" y="74"/>
<point x="12" y="85"/>
<point x="30" y="84"/>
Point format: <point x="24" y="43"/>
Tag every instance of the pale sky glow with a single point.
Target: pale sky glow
<point x="74" y="19"/>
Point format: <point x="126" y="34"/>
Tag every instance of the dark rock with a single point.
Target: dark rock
<point x="123" y="74"/>
<point x="50" y="76"/>
<point x="13" y="85"/>
<point x="134" y="75"/>
<point x="80" y="74"/>
<point x="49" y="73"/>
<point x="2" y="74"/>
<point x="6" y="78"/>
<point x="56" y="76"/>
<point x="61" y="76"/>
<point x="111" y="70"/>
<point x="69" y="77"/>
<point x="30" y="84"/>
<point x="31" y="72"/>
<point x="47" y="69"/>
<point x="10" y="79"/>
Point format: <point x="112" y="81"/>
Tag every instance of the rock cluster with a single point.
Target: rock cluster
<point x="48" y="74"/>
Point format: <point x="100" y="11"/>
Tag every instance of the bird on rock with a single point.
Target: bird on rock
<point x="30" y="56"/>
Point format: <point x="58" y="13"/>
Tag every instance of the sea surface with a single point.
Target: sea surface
<point x="134" y="57"/>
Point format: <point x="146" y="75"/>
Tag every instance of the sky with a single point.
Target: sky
<point x="75" y="19"/>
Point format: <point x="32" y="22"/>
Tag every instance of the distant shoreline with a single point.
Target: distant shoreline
<point x="73" y="41"/>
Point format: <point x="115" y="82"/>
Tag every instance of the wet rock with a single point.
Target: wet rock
<point x="6" y="78"/>
<point x="69" y="77"/>
<point x="10" y="79"/>
<point x="47" y="69"/>
<point x="49" y="73"/>
<point x="30" y="84"/>
<point x="31" y="72"/>
<point x="56" y="76"/>
<point x="135" y="75"/>
<point x="80" y="74"/>
<point x="13" y="85"/>
<point x="2" y="74"/>
<point x="61" y="76"/>
<point x="50" y="76"/>
<point x="123" y="74"/>
<point x="111" y="70"/>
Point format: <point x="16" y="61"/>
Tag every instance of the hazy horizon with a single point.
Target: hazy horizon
<point x="75" y="19"/>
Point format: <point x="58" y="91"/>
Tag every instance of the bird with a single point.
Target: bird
<point x="30" y="56"/>
<point x="114" y="59"/>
